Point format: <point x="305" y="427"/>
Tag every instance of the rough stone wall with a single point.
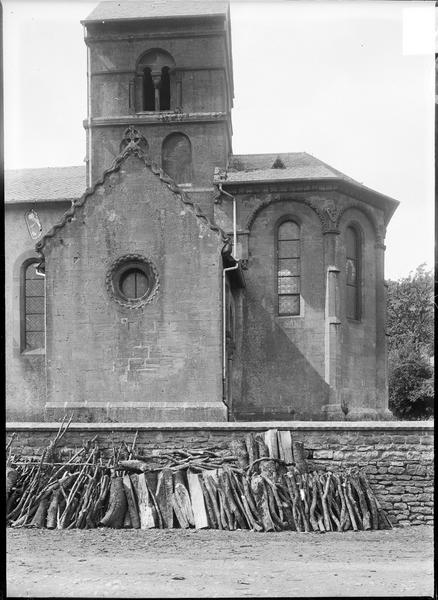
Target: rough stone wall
<point x="290" y="367"/>
<point x="283" y="357"/>
<point x="397" y="457"/>
<point x="358" y="359"/>
<point x="163" y="355"/>
<point x="25" y="371"/>
<point x="114" y="61"/>
<point x="200" y="86"/>
<point x="209" y="144"/>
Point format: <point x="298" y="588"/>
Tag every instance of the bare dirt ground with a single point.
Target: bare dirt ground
<point x="189" y="563"/>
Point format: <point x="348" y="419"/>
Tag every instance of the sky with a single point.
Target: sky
<point x="352" y="83"/>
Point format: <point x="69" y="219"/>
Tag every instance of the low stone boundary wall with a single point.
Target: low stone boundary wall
<point x="397" y="455"/>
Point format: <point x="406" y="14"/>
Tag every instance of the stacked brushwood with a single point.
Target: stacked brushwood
<point x="264" y="484"/>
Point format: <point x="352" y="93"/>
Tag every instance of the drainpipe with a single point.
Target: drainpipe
<point x="224" y="308"/>
<point x="88" y="107"/>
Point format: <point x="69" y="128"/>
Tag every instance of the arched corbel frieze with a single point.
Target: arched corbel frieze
<point x="379" y="232"/>
<point x="265" y="203"/>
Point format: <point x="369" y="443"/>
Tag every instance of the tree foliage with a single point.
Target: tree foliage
<point x="410" y="333"/>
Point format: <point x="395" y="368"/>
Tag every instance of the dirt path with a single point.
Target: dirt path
<point x="177" y="564"/>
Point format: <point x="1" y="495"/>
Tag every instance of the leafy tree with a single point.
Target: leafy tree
<point x="410" y="343"/>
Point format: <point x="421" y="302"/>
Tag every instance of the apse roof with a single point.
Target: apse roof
<point x="153" y="9"/>
<point x="44" y="185"/>
<point x="283" y="166"/>
<point x="246" y="169"/>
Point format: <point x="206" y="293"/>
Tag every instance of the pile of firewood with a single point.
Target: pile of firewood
<point x="263" y="484"/>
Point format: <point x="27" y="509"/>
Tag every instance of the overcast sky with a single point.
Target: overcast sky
<point x="350" y="82"/>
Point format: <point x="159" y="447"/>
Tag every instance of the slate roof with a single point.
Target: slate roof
<point x="153" y="9"/>
<point x="293" y="166"/>
<point x="53" y="183"/>
<point x="297" y="165"/>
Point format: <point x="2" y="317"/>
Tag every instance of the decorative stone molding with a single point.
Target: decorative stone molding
<point x="330" y="214"/>
<point x="112" y="283"/>
<point x="277" y="198"/>
<point x="132" y="138"/>
<point x="131" y="149"/>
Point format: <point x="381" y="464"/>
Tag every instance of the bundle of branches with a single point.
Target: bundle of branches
<point x="263" y="485"/>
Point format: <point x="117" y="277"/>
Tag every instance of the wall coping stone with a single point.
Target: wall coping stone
<point x="329" y="426"/>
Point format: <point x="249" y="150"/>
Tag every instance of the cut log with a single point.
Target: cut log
<point x="371" y="501"/>
<point x="98" y="510"/>
<point x="127" y="521"/>
<point x="267" y="467"/>
<point x="345" y="522"/>
<point x="164" y="496"/>
<point x="349" y="495"/>
<point x="238" y="448"/>
<point x="152" y="481"/>
<point x="211" y="489"/>
<point x="312" y="516"/>
<point x="285" y="446"/>
<point x="261" y="500"/>
<point x="326" y="483"/>
<point x="11" y="480"/>
<point x="297" y="505"/>
<point x="272" y="443"/>
<point x="115" y="515"/>
<point x="349" y="507"/>
<point x="366" y="517"/>
<point x="211" y="517"/>
<point x="252" y="448"/>
<point x="39" y="518"/>
<point x="132" y="502"/>
<point x="300" y="457"/>
<point x="249" y="498"/>
<point x="228" y="489"/>
<point x="52" y="509"/>
<point x="133" y="465"/>
<point x="146" y="508"/>
<point x="182" y="497"/>
<point x="197" y="498"/>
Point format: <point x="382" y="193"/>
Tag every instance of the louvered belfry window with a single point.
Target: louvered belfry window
<point x="288" y="268"/>
<point x="34" y="307"/>
<point x="353" y="273"/>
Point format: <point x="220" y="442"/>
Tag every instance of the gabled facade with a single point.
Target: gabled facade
<point x="189" y="283"/>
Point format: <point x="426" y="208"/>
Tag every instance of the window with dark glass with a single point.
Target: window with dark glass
<point x="352" y="275"/>
<point x="165" y="89"/>
<point x="134" y="284"/>
<point x="288" y="268"/>
<point x="148" y="90"/>
<point x="33" y="326"/>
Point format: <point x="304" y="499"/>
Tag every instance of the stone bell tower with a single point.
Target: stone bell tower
<point x="163" y="67"/>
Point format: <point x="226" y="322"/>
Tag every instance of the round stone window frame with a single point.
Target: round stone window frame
<point x="119" y="268"/>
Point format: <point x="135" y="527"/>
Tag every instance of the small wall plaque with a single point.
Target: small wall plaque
<point x="33" y="223"/>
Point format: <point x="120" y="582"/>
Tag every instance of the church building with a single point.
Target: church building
<point x="173" y="280"/>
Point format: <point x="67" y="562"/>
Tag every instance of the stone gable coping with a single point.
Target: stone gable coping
<point x="156" y="170"/>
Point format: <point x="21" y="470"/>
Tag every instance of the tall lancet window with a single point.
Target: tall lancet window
<point x="352" y="276"/>
<point x="32" y="308"/>
<point x="288" y="268"/>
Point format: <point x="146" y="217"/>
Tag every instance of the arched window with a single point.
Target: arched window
<point x="352" y="275"/>
<point x="288" y="268"/>
<point x="176" y="157"/>
<point x="148" y="90"/>
<point x="33" y="308"/>
<point x="153" y="80"/>
<point x="165" y="89"/>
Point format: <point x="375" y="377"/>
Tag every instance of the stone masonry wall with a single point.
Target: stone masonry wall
<point x="397" y="456"/>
